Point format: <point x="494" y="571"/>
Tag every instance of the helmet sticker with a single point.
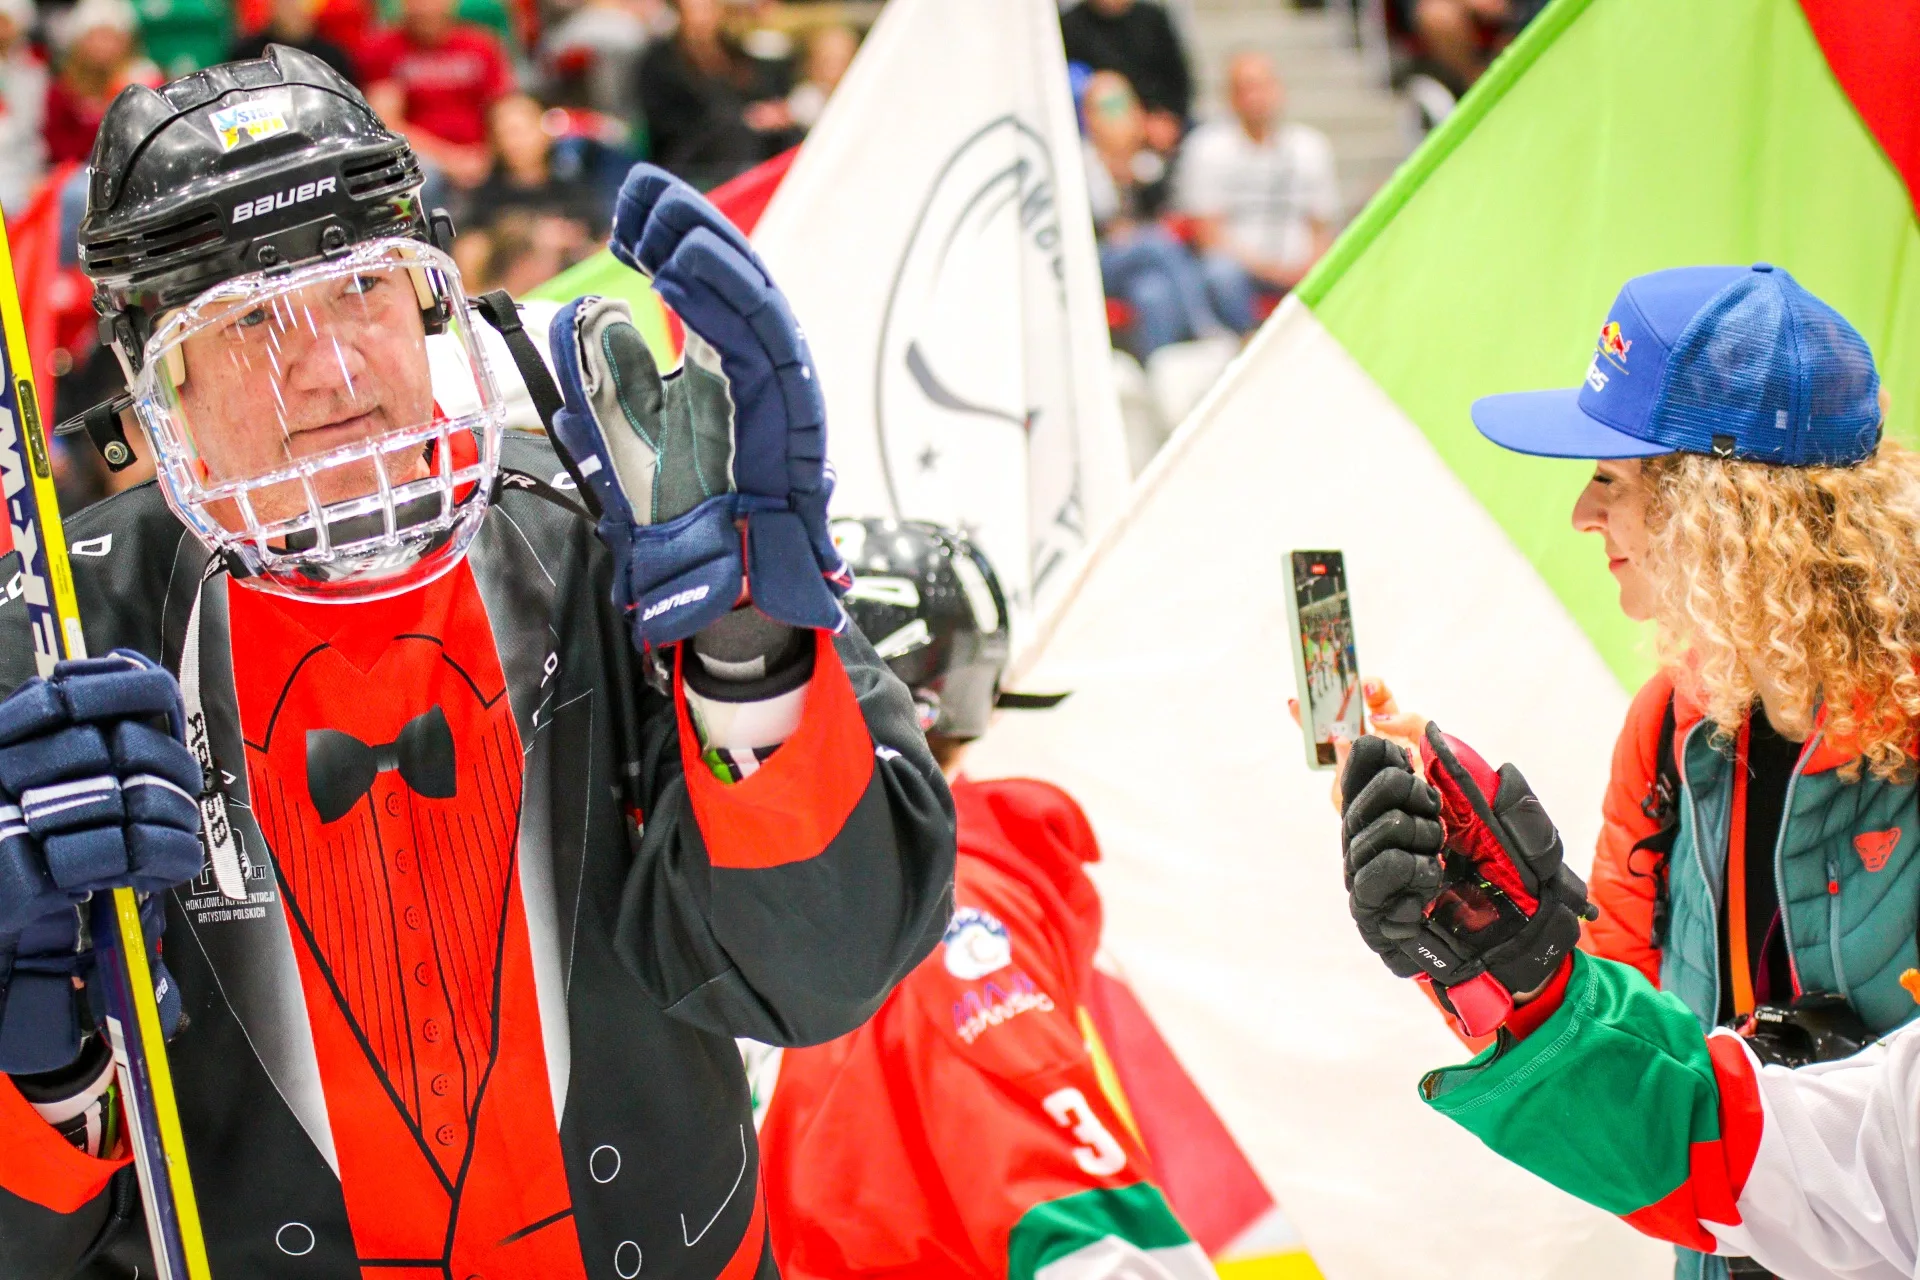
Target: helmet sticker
<point x="250" y="121"/>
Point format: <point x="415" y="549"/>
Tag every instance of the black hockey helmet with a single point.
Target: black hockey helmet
<point x="243" y="167"/>
<point x="929" y="601"/>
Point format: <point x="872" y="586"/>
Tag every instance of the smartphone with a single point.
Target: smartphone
<point x="1326" y="666"/>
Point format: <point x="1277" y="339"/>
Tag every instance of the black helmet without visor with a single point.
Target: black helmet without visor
<point x="932" y="607"/>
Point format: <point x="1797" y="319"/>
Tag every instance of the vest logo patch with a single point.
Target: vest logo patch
<point x="1874" y="847"/>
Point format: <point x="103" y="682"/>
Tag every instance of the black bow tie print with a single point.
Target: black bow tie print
<point x="341" y="768"/>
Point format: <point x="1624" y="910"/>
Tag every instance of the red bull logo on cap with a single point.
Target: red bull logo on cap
<point x="1613" y="344"/>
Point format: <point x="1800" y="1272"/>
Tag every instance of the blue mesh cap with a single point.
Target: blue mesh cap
<point x="1737" y="362"/>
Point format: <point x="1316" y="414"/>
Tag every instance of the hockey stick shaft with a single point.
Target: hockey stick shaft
<point x="133" y="1012"/>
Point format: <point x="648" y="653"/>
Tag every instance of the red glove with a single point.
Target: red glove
<point x="1459" y="878"/>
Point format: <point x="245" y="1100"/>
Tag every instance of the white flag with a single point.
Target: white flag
<point x="934" y="239"/>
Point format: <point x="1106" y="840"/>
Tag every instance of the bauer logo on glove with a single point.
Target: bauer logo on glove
<point x="1458" y="878"/>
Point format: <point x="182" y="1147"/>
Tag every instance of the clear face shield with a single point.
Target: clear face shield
<point x="333" y="429"/>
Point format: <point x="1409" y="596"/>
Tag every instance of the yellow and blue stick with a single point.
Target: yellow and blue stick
<point x="133" y="1013"/>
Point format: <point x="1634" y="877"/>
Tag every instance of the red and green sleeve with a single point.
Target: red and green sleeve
<point x="1617" y="1098"/>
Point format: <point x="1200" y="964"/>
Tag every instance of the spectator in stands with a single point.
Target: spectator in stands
<point x="291" y="23"/>
<point x="592" y="56"/>
<point x="97" y="60"/>
<point x="712" y="110"/>
<point x="1458" y="37"/>
<point x="1260" y="189"/>
<point x="522" y="249"/>
<point x="1141" y="263"/>
<point x="23" y="108"/>
<point x="523" y="177"/>
<point x="830" y="51"/>
<point x="1138" y="40"/>
<point x="433" y="78"/>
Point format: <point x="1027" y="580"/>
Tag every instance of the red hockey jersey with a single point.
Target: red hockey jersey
<point x="965" y="1131"/>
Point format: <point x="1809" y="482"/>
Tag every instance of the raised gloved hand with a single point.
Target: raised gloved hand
<point x="679" y="464"/>
<point x="1458" y="877"/>
<point x="97" y="791"/>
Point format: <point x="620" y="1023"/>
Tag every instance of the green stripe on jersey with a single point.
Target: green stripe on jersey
<point x="1051" y="1230"/>
<point x="1605" y="1100"/>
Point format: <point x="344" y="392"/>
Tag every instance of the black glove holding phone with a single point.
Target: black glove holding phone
<point x="1457" y="877"/>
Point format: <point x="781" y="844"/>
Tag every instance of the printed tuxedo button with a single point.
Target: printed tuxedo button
<point x="430" y="1031"/>
<point x="403" y="862"/>
<point x="413" y="917"/>
<point x="393" y="804"/>
<point x="440" y="1084"/>
<point x="604" y="1164"/>
<point x="295" y="1239"/>
<point x="420" y="974"/>
<point x="445" y="1135"/>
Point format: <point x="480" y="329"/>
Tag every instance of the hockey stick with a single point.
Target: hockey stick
<point x="133" y="1012"/>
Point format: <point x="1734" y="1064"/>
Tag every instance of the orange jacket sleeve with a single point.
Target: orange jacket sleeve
<point x="1622" y="883"/>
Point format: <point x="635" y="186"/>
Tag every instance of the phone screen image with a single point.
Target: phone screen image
<point x="1326" y="664"/>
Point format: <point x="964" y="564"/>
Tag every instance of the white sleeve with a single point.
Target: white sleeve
<point x="1113" y="1258"/>
<point x="1833" y="1185"/>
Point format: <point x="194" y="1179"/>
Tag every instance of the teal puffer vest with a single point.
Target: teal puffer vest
<point x="1848" y="866"/>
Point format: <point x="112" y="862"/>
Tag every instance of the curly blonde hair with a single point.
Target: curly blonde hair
<point x="1808" y="576"/>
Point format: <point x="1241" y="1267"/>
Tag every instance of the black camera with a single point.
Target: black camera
<point x="1818" y="1027"/>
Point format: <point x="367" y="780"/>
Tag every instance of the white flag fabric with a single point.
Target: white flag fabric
<point x="934" y="239"/>
<point x="1221" y="876"/>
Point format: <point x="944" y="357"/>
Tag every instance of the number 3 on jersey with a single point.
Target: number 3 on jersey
<point x="1101" y="1157"/>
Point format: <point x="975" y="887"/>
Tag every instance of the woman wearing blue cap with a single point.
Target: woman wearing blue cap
<point x="1751" y="510"/>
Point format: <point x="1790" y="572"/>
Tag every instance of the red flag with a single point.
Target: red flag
<point x="1873" y="50"/>
<point x="745" y="197"/>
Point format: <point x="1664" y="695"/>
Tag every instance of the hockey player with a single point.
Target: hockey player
<point x="477" y="925"/>
<point x="964" y="1131"/>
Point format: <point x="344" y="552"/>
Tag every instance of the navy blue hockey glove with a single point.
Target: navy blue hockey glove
<point x="98" y="791"/>
<point x="680" y="464"/>
<point x="1458" y="877"/>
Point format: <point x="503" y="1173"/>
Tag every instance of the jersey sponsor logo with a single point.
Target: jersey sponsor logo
<point x="979" y="1011"/>
<point x="977" y="944"/>
<point x="246" y="122"/>
<point x="284" y="199"/>
<point x="100" y="546"/>
<point x="692" y="595"/>
<point x="1875" y="847"/>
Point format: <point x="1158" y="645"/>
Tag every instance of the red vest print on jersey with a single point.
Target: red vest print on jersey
<point x="385" y="770"/>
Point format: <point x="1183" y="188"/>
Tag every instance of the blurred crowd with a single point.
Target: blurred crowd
<point x="526" y="113"/>
<point x="1202" y="226"/>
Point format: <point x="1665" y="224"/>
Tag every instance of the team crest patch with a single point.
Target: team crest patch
<point x="246" y="122"/>
<point x="977" y="944"/>
<point x="1875" y="847"/>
